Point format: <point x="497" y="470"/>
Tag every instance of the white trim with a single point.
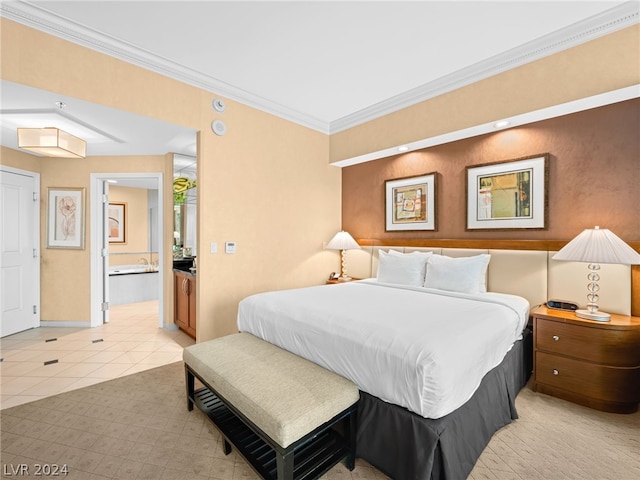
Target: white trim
<point x="66" y="324"/>
<point x="614" y="19"/>
<point x="36" y="17"/>
<point x="36" y="234"/>
<point x="95" y="245"/>
<point x="594" y="101"/>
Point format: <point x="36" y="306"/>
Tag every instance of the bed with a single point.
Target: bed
<point x="438" y="359"/>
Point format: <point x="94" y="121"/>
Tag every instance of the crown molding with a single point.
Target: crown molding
<point x="39" y="18"/>
<point x="614" y="19"/>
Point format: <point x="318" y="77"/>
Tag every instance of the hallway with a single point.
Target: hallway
<point x="45" y="361"/>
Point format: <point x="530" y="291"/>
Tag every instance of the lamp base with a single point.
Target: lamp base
<point x="598" y="316"/>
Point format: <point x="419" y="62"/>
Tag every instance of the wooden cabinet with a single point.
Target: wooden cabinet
<point x="184" y="293"/>
<point x="596" y="364"/>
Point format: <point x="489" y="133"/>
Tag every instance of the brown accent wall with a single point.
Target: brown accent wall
<point x="594" y="177"/>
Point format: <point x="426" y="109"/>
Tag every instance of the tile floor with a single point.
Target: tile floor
<point x="131" y="342"/>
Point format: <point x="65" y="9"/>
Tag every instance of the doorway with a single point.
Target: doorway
<point x="20" y="250"/>
<point x="100" y="245"/>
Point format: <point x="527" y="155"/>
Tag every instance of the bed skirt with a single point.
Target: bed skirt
<point x="406" y="446"/>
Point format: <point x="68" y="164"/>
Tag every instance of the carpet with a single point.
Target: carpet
<point x="138" y="427"/>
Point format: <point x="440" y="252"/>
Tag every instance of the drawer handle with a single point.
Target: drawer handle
<point x="556" y="372"/>
<point x="555" y="338"/>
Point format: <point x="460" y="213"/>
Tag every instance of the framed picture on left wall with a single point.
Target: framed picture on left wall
<point x="65" y="218"/>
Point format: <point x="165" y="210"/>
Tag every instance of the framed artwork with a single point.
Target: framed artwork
<point x="117" y="222"/>
<point x="411" y="203"/>
<point x="65" y="218"/>
<point x="508" y="195"/>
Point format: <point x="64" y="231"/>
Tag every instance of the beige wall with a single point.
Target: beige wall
<point x="136" y="225"/>
<point x="269" y="188"/>
<point x="19" y="159"/>
<point x="65" y="290"/>
<point x="605" y="64"/>
<point x="266" y="185"/>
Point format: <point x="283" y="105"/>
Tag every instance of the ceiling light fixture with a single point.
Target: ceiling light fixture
<point x="403" y="148"/>
<point x="51" y="142"/>
<point x="501" y="124"/>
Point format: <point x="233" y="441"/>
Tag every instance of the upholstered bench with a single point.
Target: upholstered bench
<point x="288" y="417"/>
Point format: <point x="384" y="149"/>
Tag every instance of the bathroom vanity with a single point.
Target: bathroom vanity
<point x="184" y="294"/>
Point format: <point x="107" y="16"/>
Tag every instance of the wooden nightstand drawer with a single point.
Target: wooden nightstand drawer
<point x="591" y="363"/>
<point x="620" y="348"/>
<point x="610" y="384"/>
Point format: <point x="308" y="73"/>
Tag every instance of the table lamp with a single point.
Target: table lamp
<point x="596" y="246"/>
<point x="343" y="241"/>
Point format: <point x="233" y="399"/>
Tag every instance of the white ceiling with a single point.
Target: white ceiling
<point x="326" y="65"/>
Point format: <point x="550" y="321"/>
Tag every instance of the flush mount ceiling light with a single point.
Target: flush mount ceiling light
<point x="403" y="148"/>
<point x="501" y="124"/>
<point x="51" y="142"/>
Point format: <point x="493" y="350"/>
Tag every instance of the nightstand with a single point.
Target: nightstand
<point x="596" y="364"/>
<point x="331" y="282"/>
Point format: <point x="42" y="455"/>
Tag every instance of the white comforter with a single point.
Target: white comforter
<point x="423" y="349"/>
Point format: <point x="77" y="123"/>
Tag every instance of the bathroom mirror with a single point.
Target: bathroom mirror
<point x="184" y="205"/>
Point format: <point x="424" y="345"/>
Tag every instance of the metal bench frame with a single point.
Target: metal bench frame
<point x="307" y="458"/>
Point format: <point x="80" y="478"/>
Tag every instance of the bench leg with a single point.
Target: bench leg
<point x="226" y="448"/>
<point x="190" y="382"/>
<point x="350" y="437"/>
<point x="284" y="465"/>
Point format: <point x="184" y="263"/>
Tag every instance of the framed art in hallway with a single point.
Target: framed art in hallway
<point x="411" y="203"/>
<point x="117" y="222"/>
<point x="65" y="218"/>
<point x="508" y="195"/>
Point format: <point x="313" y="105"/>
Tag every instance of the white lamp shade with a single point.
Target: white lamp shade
<point x="342" y="241"/>
<point x="598" y="245"/>
<point x="51" y="142"/>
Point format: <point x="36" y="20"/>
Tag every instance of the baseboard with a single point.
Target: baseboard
<point x="54" y="323"/>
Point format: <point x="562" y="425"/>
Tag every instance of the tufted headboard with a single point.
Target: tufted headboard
<point x="531" y="274"/>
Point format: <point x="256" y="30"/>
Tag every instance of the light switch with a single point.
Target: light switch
<point x="214" y="247"/>
<point x="230" y="247"/>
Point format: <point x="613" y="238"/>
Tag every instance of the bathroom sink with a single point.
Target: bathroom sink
<point x="183" y="264"/>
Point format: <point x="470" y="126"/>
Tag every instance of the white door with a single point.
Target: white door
<point x="19" y="263"/>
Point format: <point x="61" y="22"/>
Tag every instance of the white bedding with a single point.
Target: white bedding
<point x="423" y="349"/>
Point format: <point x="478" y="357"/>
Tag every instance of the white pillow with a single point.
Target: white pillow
<point x="463" y="274"/>
<point x="402" y="269"/>
<point x="415" y="252"/>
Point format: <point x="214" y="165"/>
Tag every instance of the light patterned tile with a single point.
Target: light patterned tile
<point x="49" y="386"/>
<point x="78" y="370"/>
